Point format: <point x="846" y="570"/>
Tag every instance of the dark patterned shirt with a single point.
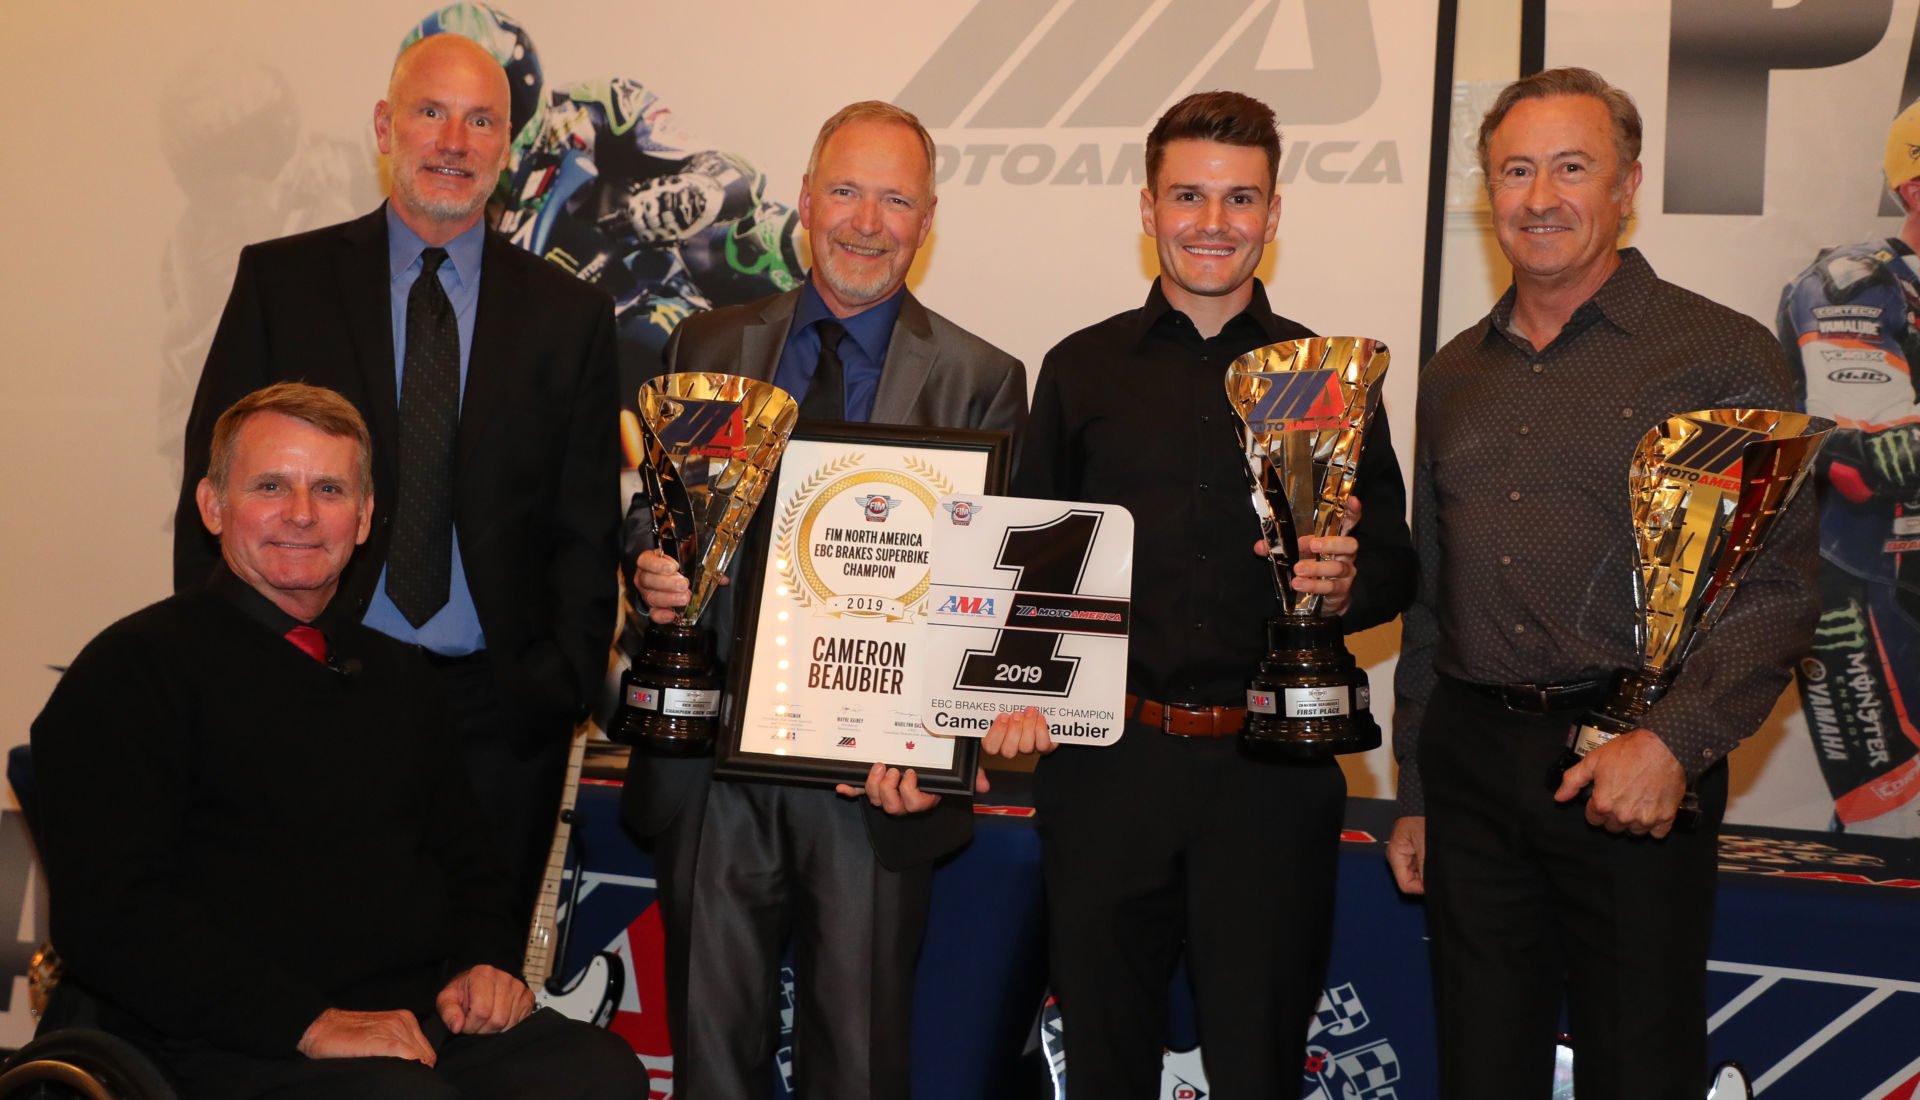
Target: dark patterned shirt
<point x="1522" y="524"/>
<point x="1134" y="411"/>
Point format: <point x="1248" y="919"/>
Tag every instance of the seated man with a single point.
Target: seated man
<point x="265" y="859"/>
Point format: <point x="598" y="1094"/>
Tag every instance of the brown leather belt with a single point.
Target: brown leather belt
<point x="1188" y="721"/>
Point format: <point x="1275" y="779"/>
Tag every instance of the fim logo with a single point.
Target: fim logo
<point x="713" y="429"/>
<point x="847" y="743"/>
<point x="1711" y="456"/>
<point x="962" y="511"/>
<point x="965" y="605"/>
<point x="876" y="507"/>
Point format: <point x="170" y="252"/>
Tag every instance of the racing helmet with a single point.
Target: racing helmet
<point x="503" y="37"/>
<point x="1903" y="147"/>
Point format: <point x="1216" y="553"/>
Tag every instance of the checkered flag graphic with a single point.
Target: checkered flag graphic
<point x="1340" y="1013"/>
<point x="1367" y="1072"/>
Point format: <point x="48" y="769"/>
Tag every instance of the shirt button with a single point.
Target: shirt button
<point x="1506" y="559"/>
<point x="1538" y="367"/>
<point x="1524" y="429"/>
<point x="1203" y="486"/>
<point x="1201" y="557"/>
<point x="1204" y="418"/>
<point x="1199" y="626"/>
<point x="1706" y="754"/>
<point x="1626" y="412"/>
<point x="1515" y="495"/>
<point x="1519" y="628"/>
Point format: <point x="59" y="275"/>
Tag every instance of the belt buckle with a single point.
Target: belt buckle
<point x="1530" y="699"/>
<point x="1166" y="718"/>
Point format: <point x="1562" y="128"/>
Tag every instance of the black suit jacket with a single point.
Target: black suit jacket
<point x="936" y="374"/>
<point x="537" y="454"/>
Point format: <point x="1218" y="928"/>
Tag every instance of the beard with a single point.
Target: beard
<point x="848" y="285"/>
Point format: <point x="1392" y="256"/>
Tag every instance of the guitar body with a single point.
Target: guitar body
<point x="593" y="996"/>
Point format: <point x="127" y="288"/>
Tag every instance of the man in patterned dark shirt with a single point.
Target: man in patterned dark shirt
<point x="1526" y="425"/>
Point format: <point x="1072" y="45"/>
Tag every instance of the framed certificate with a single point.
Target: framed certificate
<point x="825" y="678"/>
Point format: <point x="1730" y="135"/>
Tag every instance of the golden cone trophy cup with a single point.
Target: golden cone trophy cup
<point x="1707" y="488"/>
<point x="711" y="442"/>
<point x="1303" y="407"/>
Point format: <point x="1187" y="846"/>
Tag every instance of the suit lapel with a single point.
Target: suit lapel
<point x="910" y="356"/>
<point x="762" y="340"/>
<point x="488" y="359"/>
<point x="364" y="281"/>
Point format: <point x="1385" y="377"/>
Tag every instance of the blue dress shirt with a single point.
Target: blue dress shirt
<point x="455" y="628"/>
<point x="862" y="353"/>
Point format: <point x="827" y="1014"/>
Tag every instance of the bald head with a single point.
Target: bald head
<point x="445" y="128"/>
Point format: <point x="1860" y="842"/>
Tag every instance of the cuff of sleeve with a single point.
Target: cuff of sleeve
<point x="1410" y="799"/>
<point x="270" y="1026"/>
<point x="1692" y="743"/>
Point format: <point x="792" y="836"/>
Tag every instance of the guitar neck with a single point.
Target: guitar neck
<point x="542" y="935"/>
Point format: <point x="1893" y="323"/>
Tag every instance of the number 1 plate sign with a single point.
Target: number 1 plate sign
<point x="1029" y="607"/>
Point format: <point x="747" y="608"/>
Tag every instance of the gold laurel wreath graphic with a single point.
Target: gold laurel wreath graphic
<point x="783" y="531"/>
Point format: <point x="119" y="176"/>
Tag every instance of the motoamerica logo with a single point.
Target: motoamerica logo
<point x="1016" y="65"/>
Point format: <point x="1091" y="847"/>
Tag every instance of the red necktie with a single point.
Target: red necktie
<point x="311" y="642"/>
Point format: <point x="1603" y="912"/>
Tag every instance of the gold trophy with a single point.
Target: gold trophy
<point x="1304" y="406"/>
<point x="711" y="443"/>
<point x="1707" y="488"/>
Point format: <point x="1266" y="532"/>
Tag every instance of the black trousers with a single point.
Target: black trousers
<point x="546" y="1055"/>
<point x="519" y="787"/>
<point x="1528" y="904"/>
<point x="743" y="868"/>
<point x="1160" y="844"/>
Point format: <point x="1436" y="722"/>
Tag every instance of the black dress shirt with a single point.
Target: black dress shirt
<point x="1133" y="411"/>
<point x="1522" y="522"/>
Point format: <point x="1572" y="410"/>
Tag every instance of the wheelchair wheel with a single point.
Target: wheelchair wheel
<point x="75" y="1062"/>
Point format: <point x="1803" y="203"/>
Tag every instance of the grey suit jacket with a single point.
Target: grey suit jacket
<point x="936" y="374"/>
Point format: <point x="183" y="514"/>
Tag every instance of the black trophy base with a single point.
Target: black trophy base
<point x="670" y="698"/>
<point x="1309" y="700"/>
<point x="1634" y="693"/>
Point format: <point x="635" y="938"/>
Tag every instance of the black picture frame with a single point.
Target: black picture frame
<point x="732" y="761"/>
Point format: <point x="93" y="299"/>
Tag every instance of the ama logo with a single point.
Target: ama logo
<point x="965" y="605"/>
<point x="1712" y="455"/>
<point x="1303" y="400"/>
<point x="713" y="429"/>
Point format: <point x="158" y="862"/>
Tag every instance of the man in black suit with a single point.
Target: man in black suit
<point x="760" y="860"/>
<point x="271" y="882"/>
<point x="489" y="387"/>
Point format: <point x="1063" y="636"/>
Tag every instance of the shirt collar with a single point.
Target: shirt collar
<point x="404" y="247"/>
<point x="1259" y="311"/>
<point x="871" y="328"/>
<point x="228" y="587"/>
<point x="1625" y="300"/>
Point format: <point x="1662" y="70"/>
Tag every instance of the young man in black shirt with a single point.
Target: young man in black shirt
<point x="1171" y="834"/>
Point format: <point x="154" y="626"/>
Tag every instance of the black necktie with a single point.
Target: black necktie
<point x="420" y="557"/>
<point x="826" y="393"/>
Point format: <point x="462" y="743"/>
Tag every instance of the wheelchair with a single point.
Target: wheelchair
<point x="69" y="1057"/>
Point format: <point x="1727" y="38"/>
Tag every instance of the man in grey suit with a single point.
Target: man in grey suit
<point x="847" y="876"/>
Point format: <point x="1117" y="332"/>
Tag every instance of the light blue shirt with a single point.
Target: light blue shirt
<point x="455" y="628"/>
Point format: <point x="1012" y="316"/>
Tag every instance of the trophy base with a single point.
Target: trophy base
<point x="670" y="698"/>
<point x="1309" y="700"/>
